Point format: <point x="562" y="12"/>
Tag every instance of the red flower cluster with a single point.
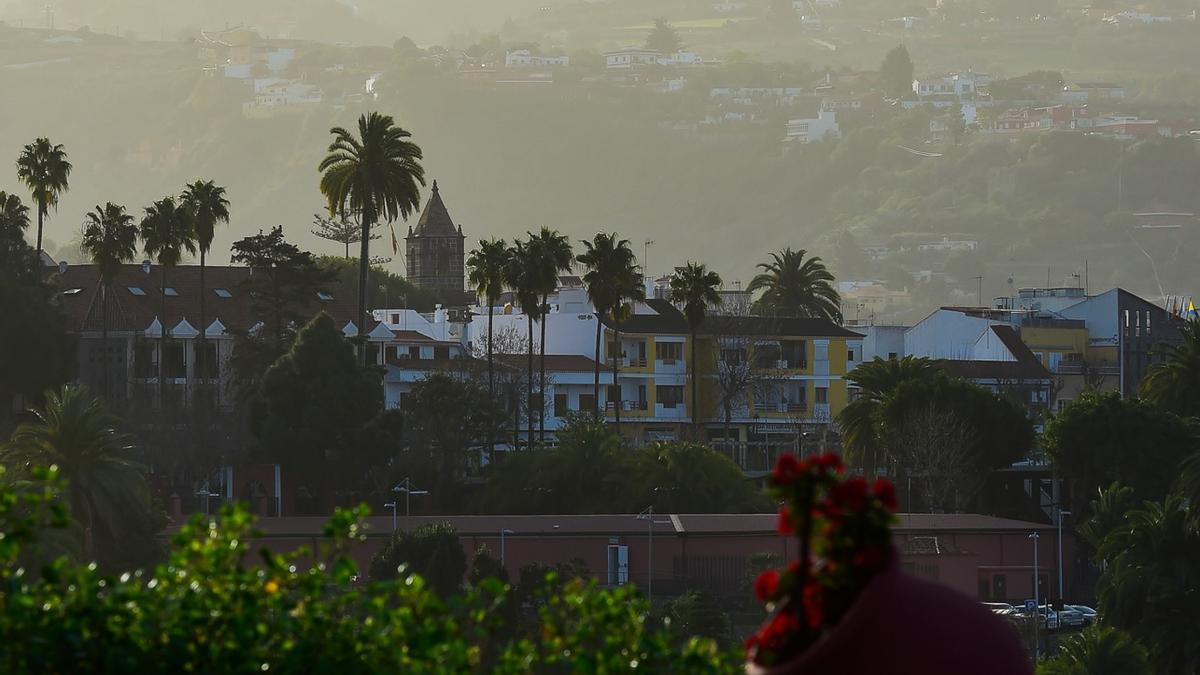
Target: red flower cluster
<point x="846" y="523"/>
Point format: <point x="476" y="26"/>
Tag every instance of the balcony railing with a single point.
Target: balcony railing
<point x="627" y="406"/>
<point x="635" y="362"/>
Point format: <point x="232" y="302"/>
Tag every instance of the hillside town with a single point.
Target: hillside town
<point x="601" y="349"/>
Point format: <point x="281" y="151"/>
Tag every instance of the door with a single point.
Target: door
<point x="618" y="565"/>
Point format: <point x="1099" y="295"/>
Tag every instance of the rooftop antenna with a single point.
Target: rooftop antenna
<point x="979" y="298"/>
<point x="646" y="255"/>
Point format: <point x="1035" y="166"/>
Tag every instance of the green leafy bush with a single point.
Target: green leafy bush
<point x="214" y="607"/>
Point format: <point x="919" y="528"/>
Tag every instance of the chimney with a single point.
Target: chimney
<point x="146" y="267"/>
<point x="62" y="266"/>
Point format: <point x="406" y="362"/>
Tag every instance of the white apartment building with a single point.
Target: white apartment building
<point x="813" y="129"/>
<point x="523" y="58"/>
<point x="962" y="85"/>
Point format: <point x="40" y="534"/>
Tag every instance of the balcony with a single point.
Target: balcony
<point x="634" y="362"/>
<point x="627" y="406"/>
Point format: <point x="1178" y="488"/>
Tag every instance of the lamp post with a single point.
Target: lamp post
<point x="1037" y="605"/>
<point x="1061" y="513"/>
<point x="392" y="505"/>
<point x="502" y="533"/>
<point x="648" y="516"/>
<point x="407" y="488"/>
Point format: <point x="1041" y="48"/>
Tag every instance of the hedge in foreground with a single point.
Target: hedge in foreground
<point x="213" y="608"/>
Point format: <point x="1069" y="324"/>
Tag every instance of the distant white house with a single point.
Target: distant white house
<point x="813" y="129"/>
<point x="275" y="92"/>
<point x="948" y="244"/>
<point x="682" y="59"/>
<point x="1133" y="18"/>
<point x="749" y="95"/>
<point x="631" y="57"/>
<point x="963" y="85"/>
<point x="523" y="58"/>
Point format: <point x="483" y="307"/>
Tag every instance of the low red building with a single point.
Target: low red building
<point x="982" y="556"/>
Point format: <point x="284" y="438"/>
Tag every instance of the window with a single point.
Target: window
<point x="1063" y="403"/>
<point x="561" y="405"/>
<point x="325" y="296"/>
<point x="669" y="396"/>
<point x="207" y="367"/>
<point x="618" y="565"/>
<point x="822" y="394"/>
<point x="73" y="291"/>
<point x="395" y="317"/>
<point x="669" y="352"/>
<point x="135" y="290"/>
<point x="442" y="353"/>
<point x="587" y="401"/>
<point x="891" y="356"/>
<point x="145" y="360"/>
<point x="176" y="360"/>
<point x="170" y="292"/>
<point x="850" y="353"/>
<point x="223" y="293"/>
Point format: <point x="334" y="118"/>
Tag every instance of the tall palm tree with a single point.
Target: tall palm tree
<point x="166" y="232"/>
<point x="485" y="270"/>
<point x="875" y="381"/>
<point x="609" y="260"/>
<point x="520" y="275"/>
<point x="206" y="206"/>
<point x="1174" y="383"/>
<point x="14" y="219"/>
<point x="376" y="175"/>
<point x="110" y="239"/>
<point x="552" y="252"/>
<point x="795" y="287"/>
<point x="107" y="490"/>
<point x="695" y="287"/>
<point x="44" y="169"/>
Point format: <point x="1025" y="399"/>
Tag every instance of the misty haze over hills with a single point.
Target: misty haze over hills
<point x="142" y="110"/>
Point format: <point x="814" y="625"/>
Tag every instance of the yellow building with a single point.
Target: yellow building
<point x="763" y="381"/>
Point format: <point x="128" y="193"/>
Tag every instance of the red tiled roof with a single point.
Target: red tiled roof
<point x="131" y="312"/>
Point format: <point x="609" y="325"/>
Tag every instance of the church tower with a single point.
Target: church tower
<point x="435" y="253"/>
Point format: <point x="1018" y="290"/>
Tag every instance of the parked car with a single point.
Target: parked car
<point x="1068" y="617"/>
<point x="1089" y="614"/>
<point x="1049" y="617"/>
<point x="1000" y="608"/>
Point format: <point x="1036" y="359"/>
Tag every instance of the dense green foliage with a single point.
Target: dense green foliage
<point x="1174" y="383"/>
<point x="213" y="608"/>
<point x="1101" y="438"/>
<point x="432" y="551"/>
<point x="593" y="471"/>
<point x="317" y="403"/>
<point x="793" y="286"/>
<point x="1099" y="650"/>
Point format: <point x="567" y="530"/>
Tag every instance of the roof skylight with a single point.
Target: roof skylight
<point x="136" y="290"/>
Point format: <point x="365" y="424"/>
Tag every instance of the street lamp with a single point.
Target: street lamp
<point x="407" y="488"/>
<point x="1037" y="605"/>
<point x="1061" y="513"/>
<point x="648" y="515"/>
<point x="392" y="505"/>
<point x="502" y="533"/>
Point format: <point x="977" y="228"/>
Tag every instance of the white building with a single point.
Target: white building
<point x="286" y="93"/>
<point x="962" y="85"/>
<point x="813" y="129"/>
<point x="949" y="245"/>
<point x="1134" y="18"/>
<point x="523" y="58"/>
<point x="631" y="57"/>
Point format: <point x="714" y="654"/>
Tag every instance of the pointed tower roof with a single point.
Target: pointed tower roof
<point x="435" y="219"/>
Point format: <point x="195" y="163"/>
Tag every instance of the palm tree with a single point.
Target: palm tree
<point x="44" y="169"/>
<point x="695" y="287"/>
<point x="795" y="287"/>
<point x="629" y="288"/>
<point x="875" y="381"/>
<point x="1149" y="582"/>
<point x="485" y="270"/>
<point x="166" y="232"/>
<point x="107" y="490"/>
<point x="14" y="218"/>
<point x="206" y="206"/>
<point x="552" y="252"/>
<point x="110" y="239"/>
<point x="1098" y="650"/>
<point x="1174" y="384"/>
<point x="520" y="275"/>
<point x="609" y="260"/>
<point x="376" y="175"/>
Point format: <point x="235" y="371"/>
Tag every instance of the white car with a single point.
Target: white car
<point x="1000" y="608"/>
<point x="1089" y="614"/>
<point x="1049" y="617"/>
<point x="1069" y="617"/>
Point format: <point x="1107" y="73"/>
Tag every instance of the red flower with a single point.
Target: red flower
<point x="885" y="492"/>
<point x="850" y="494"/>
<point x="787" y="468"/>
<point x="868" y="557"/>
<point x="766" y="584"/>
<point x="774" y="635"/>
<point x="829" y="461"/>
<point x="784" y="525"/>
<point x="814" y="609"/>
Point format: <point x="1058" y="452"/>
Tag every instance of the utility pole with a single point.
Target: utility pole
<point x="1061" y="513"/>
<point x="1037" y="605"/>
<point x="979" y="297"/>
